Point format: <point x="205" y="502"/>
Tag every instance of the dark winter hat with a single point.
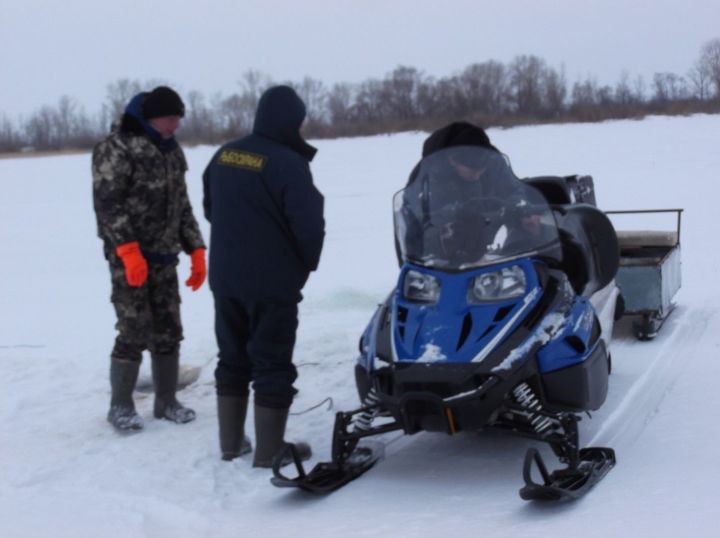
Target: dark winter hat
<point x="163" y="101"/>
<point x="459" y="133"/>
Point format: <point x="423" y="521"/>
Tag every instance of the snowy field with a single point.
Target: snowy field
<point x="65" y="473"/>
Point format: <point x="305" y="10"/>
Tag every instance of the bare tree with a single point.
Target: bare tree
<point x="10" y="139"/>
<point x="526" y="73"/>
<point x="554" y="91"/>
<point x="400" y="92"/>
<point x="237" y="114"/>
<point x="119" y="94"/>
<point x="484" y="87"/>
<point x="253" y="84"/>
<point x="86" y="130"/>
<point x="623" y="92"/>
<point x="710" y="63"/>
<point x="449" y="100"/>
<point x="699" y="76"/>
<point x="369" y="105"/>
<point x="584" y="94"/>
<point x="312" y="91"/>
<point x="640" y="88"/>
<point x="64" y="118"/>
<point x="200" y="124"/>
<point x="39" y="129"/>
<point x="669" y="87"/>
<point x="339" y="103"/>
<point x="584" y="99"/>
<point x="429" y="103"/>
<point x="605" y="96"/>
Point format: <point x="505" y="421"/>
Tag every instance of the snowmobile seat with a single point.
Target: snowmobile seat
<point x="591" y="254"/>
<point x="574" y="263"/>
<point x="554" y="189"/>
<point x="562" y="190"/>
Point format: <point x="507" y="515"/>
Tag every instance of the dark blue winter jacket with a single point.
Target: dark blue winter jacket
<point x="266" y="216"/>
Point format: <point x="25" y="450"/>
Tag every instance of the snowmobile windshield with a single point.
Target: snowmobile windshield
<point x="464" y="208"/>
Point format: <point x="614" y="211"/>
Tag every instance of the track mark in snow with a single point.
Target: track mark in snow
<point x="644" y="397"/>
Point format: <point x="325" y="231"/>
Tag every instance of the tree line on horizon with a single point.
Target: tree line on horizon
<point x="491" y="94"/>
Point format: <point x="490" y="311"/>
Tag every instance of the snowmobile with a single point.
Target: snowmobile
<point x="500" y="320"/>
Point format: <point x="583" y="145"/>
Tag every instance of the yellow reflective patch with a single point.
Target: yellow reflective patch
<point x="242" y="159"/>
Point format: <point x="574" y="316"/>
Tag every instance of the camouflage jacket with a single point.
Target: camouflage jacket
<point x="139" y="194"/>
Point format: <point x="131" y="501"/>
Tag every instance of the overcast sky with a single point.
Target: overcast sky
<point x="76" y="47"/>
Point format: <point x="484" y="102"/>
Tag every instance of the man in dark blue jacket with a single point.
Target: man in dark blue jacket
<point x="267" y="231"/>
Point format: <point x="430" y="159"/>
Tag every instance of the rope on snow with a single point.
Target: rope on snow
<point x="329" y="407"/>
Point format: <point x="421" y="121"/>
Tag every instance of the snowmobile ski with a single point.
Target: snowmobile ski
<point x="570" y="483"/>
<point x="328" y="476"/>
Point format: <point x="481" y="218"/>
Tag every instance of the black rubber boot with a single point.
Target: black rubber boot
<point x="269" y="437"/>
<point x="231" y="424"/>
<point x="165" y="377"/>
<point x="123" y="376"/>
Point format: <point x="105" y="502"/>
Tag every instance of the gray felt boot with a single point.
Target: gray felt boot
<point x="231" y="424"/>
<point x="123" y="376"/>
<point x="165" y="377"/>
<point x="269" y="437"/>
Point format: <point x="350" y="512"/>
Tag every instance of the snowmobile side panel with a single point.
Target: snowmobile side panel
<point x="580" y="387"/>
<point x="572" y="343"/>
<point x="375" y="342"/>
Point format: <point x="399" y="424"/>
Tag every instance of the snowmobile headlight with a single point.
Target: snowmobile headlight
<point x="420" y="287"/>
<point x="500" y="285"/>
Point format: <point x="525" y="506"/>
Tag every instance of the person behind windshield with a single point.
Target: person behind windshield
<point x="459" y="133"/>
<point x="456" y="193"/>
<point x="453" y="134"/>
<point x="462" y="201"/>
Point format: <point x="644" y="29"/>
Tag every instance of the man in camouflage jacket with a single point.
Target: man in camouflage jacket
<point x="144" y="219"/>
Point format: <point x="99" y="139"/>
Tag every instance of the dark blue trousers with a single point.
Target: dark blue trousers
<point x="256" y="341"/>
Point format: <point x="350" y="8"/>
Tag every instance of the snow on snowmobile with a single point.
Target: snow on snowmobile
<point x="500" y="320"/>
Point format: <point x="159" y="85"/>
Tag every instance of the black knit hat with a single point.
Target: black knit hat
<point x="459" y="133"/>
<point x="163" y="101"/>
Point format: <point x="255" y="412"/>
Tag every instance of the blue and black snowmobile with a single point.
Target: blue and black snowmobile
<point x="500" y="319"/>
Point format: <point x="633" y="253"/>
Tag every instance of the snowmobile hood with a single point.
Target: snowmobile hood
<point x="458" y="327"/>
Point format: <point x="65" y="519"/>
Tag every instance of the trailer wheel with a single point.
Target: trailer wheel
<point x="619" y="307"/>
<point x="647" y="328"/>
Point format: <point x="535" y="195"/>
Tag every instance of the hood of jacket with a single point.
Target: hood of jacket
<point x="279" y="116"/>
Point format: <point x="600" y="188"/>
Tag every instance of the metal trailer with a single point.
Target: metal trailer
<point x="649" y="275"/>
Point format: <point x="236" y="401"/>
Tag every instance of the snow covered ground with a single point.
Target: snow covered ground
<point x="65" y="473"/>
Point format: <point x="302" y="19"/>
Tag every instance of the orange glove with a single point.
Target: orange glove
<point x="198" y="269"/>
<point x="136" y="267"/>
